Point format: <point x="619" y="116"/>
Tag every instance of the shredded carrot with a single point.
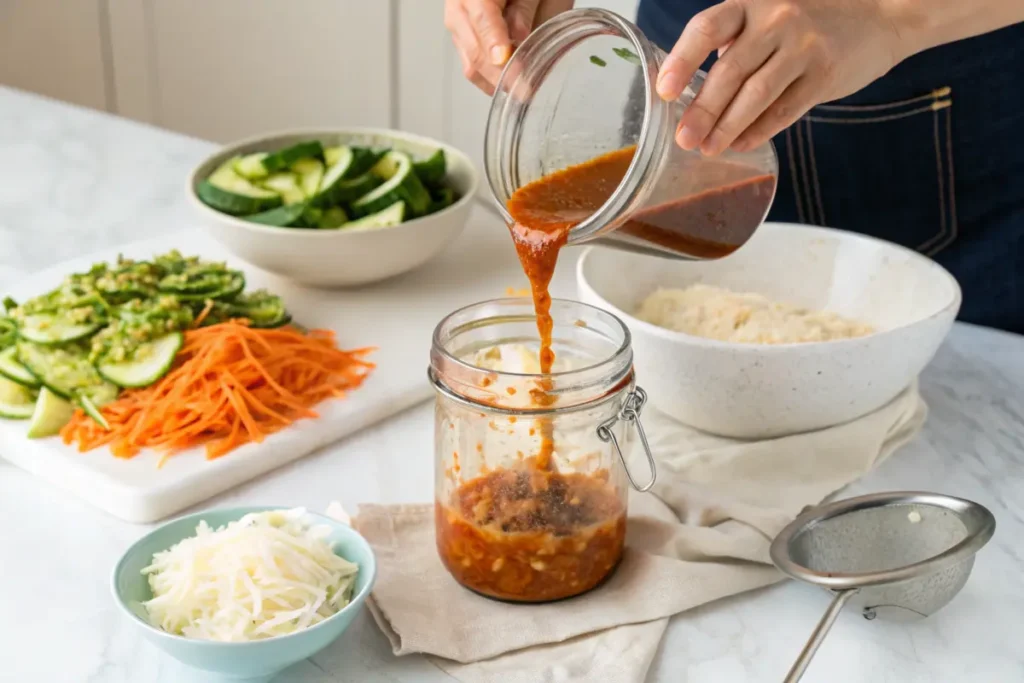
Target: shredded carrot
<point x="230" y="385"/>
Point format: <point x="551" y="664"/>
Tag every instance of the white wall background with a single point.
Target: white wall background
<point x="226" y="69"/>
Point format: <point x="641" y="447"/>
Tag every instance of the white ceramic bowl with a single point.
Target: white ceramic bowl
<point x="335" y="258"/>
<point x="759" y="391"/>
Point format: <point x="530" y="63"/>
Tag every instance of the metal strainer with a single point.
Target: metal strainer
<point x="900" y="554"/>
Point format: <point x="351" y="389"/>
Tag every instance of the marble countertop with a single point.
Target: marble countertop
<point x="74" y="181"/>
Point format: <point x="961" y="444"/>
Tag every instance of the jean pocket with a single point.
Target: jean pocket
<point x="884" y="169"/>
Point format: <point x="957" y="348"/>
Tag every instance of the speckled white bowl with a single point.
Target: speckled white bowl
<point x="760" y="391"/>
<point x="337" y="258"/>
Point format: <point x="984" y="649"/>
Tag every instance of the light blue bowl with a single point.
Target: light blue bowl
<point x="256" y="659"/>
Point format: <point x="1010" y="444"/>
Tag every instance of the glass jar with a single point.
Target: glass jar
<point x="583" y="85"/>
<point x="531" y="470"/>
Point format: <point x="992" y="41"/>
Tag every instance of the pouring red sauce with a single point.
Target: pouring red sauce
<point x="531" y="533"/>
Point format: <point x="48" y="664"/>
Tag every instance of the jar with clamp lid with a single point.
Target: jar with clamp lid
<point x="532" y="470"/>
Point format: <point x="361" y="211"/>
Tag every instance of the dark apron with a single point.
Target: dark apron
<point x="930" y="156"/>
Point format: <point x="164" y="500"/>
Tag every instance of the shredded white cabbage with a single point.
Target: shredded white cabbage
<point x="268" y="574"/>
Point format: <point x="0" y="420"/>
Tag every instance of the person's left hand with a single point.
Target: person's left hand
<point x="777" y="59"/>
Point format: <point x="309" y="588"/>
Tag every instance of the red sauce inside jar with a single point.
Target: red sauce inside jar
<point x="532" y="535"/>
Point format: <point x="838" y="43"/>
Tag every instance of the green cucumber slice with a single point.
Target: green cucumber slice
<point x="400" y="184"/>
<point x="340" y="160"/>
<point x="151" y="361"/>
<point x="310" y="172"/>
<point x="364" y="159"/>
<point x="52" y="328"/>
<point x="261" y="308"/>
<point x="334" y="217"/>
<point x="311" y="217"/>
<point x="229" y="192"/>
<point x="284" y="158"/>
<point x="251" y="166"/>
<point x="227" y="287"/>
<point x="51" y="413"/>
<point x="8" y="332"/>
<point x="432" y="169"/>
<point x="333" y="155"/>
<point x="286" y="184"/>
<point x="441" y="199"/>
<point x="16" y="401"/>
<point x="387" y="218"/>
<point x="93" y="411"/>
<point x="15" y="371"/>
<point x="99" y="395"/>
<point x="281" y="217"/>
<point x="64" y="370"/>
<point x="349" y="190"/>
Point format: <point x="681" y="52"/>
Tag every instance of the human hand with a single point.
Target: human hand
<point x="777" y="59"/>
<point x="485" y="31"/>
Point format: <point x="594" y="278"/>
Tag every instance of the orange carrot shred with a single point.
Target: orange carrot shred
<point x="230" y="385"/>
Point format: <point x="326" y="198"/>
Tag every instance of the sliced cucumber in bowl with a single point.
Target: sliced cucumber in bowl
<point x="400" y="184"/>
<point x="229" y="192"/>
<point x="278" y="161"/>
<point x="386" y="218"/>
<point x="432" y="169"/>
<point x="150" y="362"/>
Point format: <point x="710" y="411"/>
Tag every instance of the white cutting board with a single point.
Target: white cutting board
<point x="397" y="316"/>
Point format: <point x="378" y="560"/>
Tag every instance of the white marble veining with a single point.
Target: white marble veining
<point x="74" y="180"/>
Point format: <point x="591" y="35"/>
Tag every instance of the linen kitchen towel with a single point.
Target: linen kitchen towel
<point x="702" y="536"/>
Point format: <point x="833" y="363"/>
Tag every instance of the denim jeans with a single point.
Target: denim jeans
<point x="930" y="156"/>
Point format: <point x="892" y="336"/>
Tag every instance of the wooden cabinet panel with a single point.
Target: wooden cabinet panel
<point x="55" y="48"/>
<point x="233" y="68"/>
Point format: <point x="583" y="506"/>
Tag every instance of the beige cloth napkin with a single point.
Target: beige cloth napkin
<point x="704" y="535"/>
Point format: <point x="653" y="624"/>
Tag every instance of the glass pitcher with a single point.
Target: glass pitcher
<point x="583" y="85"/>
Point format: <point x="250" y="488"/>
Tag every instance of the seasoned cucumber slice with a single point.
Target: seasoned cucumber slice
<point x="150" y="362"/>
<point x="286" y="184"/>
<point x="310" y="172"/>
<point x="400" y="184"/>
<point x="51" y="413"/>
<point x="432" y="169"/>
<point x="93" y="411"/>
<point x="228" y="285"/>
<point x="52" y="328"/>
<point x="8" y="332"/>
<point x="251" y="166"/>
<point x="281" y="160"/>
<point x="229" y="192"/>
<point x="387" y="218"/>
<point x="15" y="371"/>
<point x="64" y="370"/>
<point x="261" y="308"/>
<point x="98" y="394"/>
<point x="16" y="401"/>
<point x="281" y="217"/>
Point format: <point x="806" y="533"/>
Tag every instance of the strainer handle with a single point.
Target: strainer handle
<point x="816" y="639"/>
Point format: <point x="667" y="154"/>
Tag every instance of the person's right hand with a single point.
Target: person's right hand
<point x="485" y="31"/>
